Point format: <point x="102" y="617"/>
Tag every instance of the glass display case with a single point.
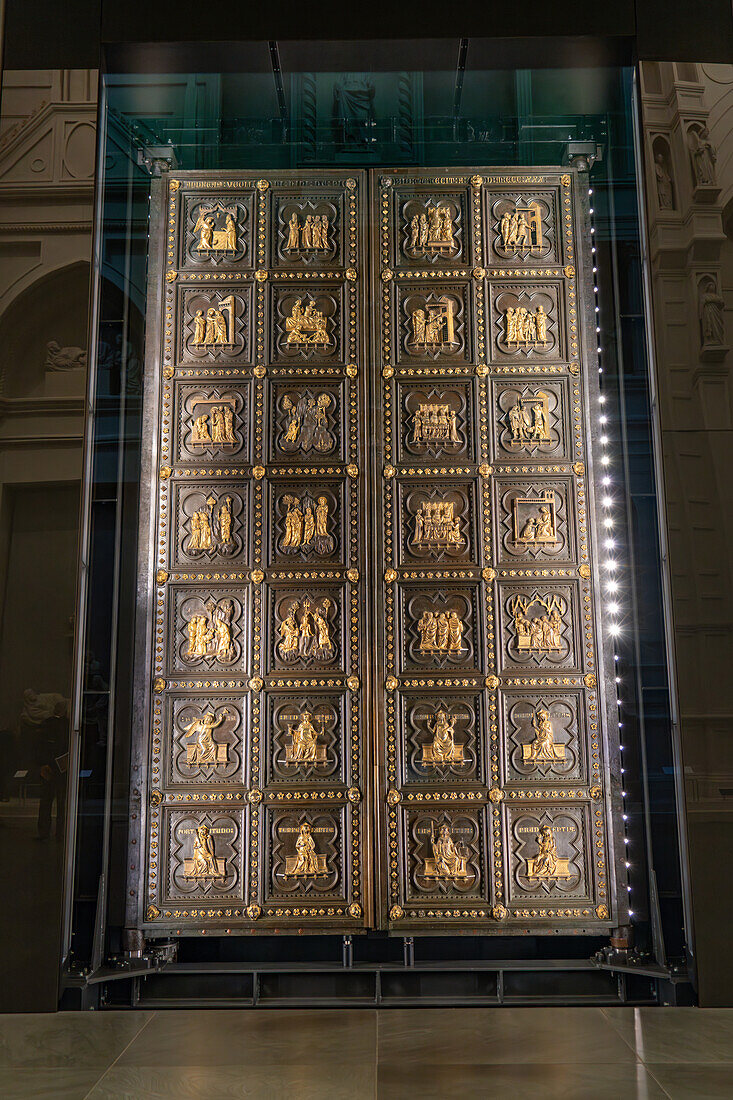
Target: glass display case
<point x="374" y="641"/>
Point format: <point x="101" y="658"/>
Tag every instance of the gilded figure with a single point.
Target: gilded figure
<point x="521" y="229"/>
<point x="434" y="326"/>
<point x="307" y="427"/>
<point x="202" y="748"/>
<point x="435" y="424"/>
<point x="529" y="420"/>
<point x="305" y="632"/>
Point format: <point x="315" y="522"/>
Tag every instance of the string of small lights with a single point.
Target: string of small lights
<point x="611" y="567"/>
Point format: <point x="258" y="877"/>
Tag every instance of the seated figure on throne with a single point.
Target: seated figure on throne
<point x="449" y="862"/>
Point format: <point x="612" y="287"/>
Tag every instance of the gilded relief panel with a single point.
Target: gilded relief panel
<point x="307" y="324"/>
<point x="527" y="323"/>
<point x="217" y="231"/>
<point x="437" y="423"/>
<point x="204" y="856"/>
<point x="531" y="421"/>
<point x="443" y="739"/>
<point x="211" y="524"/>
<point x="205" y="742"/>
<point x="447" y="861"/>
<point x="543" y="737"/>
<point x="214" y="325"/>
<point x="532" y="523"/>
<point x="437" y="522"/>
<point x="304" y="855"/>
<point x="212" y="423"/>
<point x="521" y="229"/>
<point x="550" y="856"/>
<point x="306" y="422"/>
<point x="306" y="521"/>
<point x="305" y="739"/>
<point x="434" y="322"/>
<point x="308" y="230"/>
<point x="439" y="627"/>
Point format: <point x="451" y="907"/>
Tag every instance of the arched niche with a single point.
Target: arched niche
<point x="54" y="309"/>
<point x="665" y="190"/>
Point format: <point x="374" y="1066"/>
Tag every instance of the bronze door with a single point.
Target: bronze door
<point x="367" y="682"/>
<point x="497" y="796"/>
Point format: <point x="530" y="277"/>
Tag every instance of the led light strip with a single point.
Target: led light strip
<point x="611" y="584"/>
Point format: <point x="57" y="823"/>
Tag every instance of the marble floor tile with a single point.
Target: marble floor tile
<point x="627" y="1081"/>
<point x="48" y="1083"/>
<point x="70" y="1039"/>
<point x="265" y="1037"/>
<point x="676" y="1034"/>
<point x="499" y="1035"/>
<point x="276" y="1081"/>
<point x="705" y="1081"/>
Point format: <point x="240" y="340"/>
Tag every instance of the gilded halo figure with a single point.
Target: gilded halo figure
<point x="305" y="740"/>
<point x="450" y="862"/>
<point x="225" y="521"/>
<point x="289" y="634"/>
<point x="293" y="234"/>
<point x="324" y="645"/>
<point x="443" y="731"/>
<point x="545" y="863"/>
<point x="204" y="747"/>
<point x="293" y="524"/>
<point x="543" y="746"/>
<point x="230" y="234"/>
<point x="306" y="862"/>
<point x="201" y="429"/>
<point x="199" y="327"/>
<point x="204" y="856"/>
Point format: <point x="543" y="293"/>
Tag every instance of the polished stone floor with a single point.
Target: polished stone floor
<point x="545" y="1053"/>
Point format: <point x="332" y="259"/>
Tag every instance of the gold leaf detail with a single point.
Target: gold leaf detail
<point x="492" y="682"/>
<point x="396" y="912"/>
